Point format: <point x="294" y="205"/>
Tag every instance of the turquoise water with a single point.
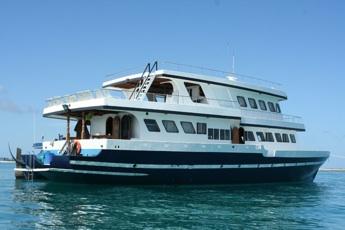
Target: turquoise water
<point x="47" y="205"/>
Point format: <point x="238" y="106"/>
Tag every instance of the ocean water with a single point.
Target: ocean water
<point x="48" y="205"/>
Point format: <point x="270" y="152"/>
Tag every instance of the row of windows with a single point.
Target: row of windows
<point x="218" y="134"/>
<point x="268" y="137"/>
<point x="262" y="104"/>
<point x="171" y="127"/>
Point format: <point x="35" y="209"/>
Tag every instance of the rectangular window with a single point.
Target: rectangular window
<point x="188" y="127"/>
<point x="261" y="136"/>
<point x="278" y="137"/>
<point x="249" y="136"/>
<point x="210" y="134"/>
<point x="152" y="125"/>
<point x="242" y="101"/>
<point x="252" y="103"/>
<point x="271" y="106"/>
<point x="170" y="126"/>
<point x="227" y="134"/>
<point x="285" y="138"/>
<point x="269" y="137"/>
<point x="262" y="105"/>
<point x="201" y="128"/>
<point x="278" y="108"/>
<point x="216" y="134"/>
<point x="293" y="138"/>
<point x="222" y="134"/>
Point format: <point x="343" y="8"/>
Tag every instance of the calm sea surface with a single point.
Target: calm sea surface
<point x="47" y="205"/>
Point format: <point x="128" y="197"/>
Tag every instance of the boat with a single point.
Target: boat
<point x="164" y="126"/>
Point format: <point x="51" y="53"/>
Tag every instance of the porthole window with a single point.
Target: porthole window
<point x="260" y="136"/>
<point x="278" y="137"/>
<point x="269" y="137"/>
<point x="201" y="128"/>
<point x="188" y="127"/>
<point x="285" y="138"/>
<point x="170" y="126"/>
<point x="152" y="125"/>
<point x="292" y="138"/>
<point x="271" y="106"/>
<point x="262" y="105"/>
<point x="278" y="108"/>
<point x="249" y="136"/>
<point x="252" y="103"/>
<point x="242" y="101"/>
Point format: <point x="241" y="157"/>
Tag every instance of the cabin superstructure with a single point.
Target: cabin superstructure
<point x="175" y="106"/>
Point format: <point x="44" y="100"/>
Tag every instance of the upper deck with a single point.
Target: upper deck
<point x="179" y="93"/>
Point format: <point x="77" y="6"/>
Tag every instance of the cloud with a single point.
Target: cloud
<point x="7" y="105"/>
<point x="2" y="89"/>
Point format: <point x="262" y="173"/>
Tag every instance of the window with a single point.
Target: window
<point x="293" y="138"/>
<point x="201" y="128"/>
<point x="210" y="134"/>
<point x="216" y="134"/>
<point x="249" y="136"/>
<point x="271" y="106"/>
<point x="269" y="137"/>
<point x="252" y="103"/>
<point x="278" y="137"/>
<point x="152" y="125"/>
<point x="227" y="134"/>
<point x="195" y="92"/>
<point x="170" y="126"/>
<point x="241" y="101"/>
<point x="285" y="138"/>
<point x="262" y="105"/>
<point x="188" y="127"/>
<point x="278" y="108"/>
<point x="260" y="136"/>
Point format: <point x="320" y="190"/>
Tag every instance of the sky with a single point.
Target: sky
<point x="51" y="48"/>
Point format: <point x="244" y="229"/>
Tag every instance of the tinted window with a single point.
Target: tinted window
<point x="249" y="136"/>
<point x="227" y="134"/>
<point x="210" y="134"/>
<point x="292" y="138"/>
<point x="222" y="134"/>
<point x="269" y="137"/>
<point x="201" y="128"/>
<point x="216" y="134"/>
<point x="278" y="137"/>
<point x="260" y="136"/>
<point x="188" y="127"/>
<point x="252" y="103"/>
<point x="152" y="125"/>
<point x="271" y="106"/>
<point x="262" y="105"/>
<point x="170" y="126"/>
<point x="242" y="101"/>
<point x="285" y="138"/>
<point x="278" y="108"/>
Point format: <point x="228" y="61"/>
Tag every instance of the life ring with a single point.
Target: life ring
<point x="77" y="147"/>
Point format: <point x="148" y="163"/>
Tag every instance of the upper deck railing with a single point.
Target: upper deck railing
<point x="170" y="99"/>
<point x="168" y="65"/>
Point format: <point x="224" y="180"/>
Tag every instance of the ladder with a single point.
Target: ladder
<point x="145" y="82"/>
<point x="29" y="174"/>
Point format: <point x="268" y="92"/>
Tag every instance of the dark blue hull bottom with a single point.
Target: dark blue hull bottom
<point x="134" y="167"/>
<point x="229" y="176"/>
